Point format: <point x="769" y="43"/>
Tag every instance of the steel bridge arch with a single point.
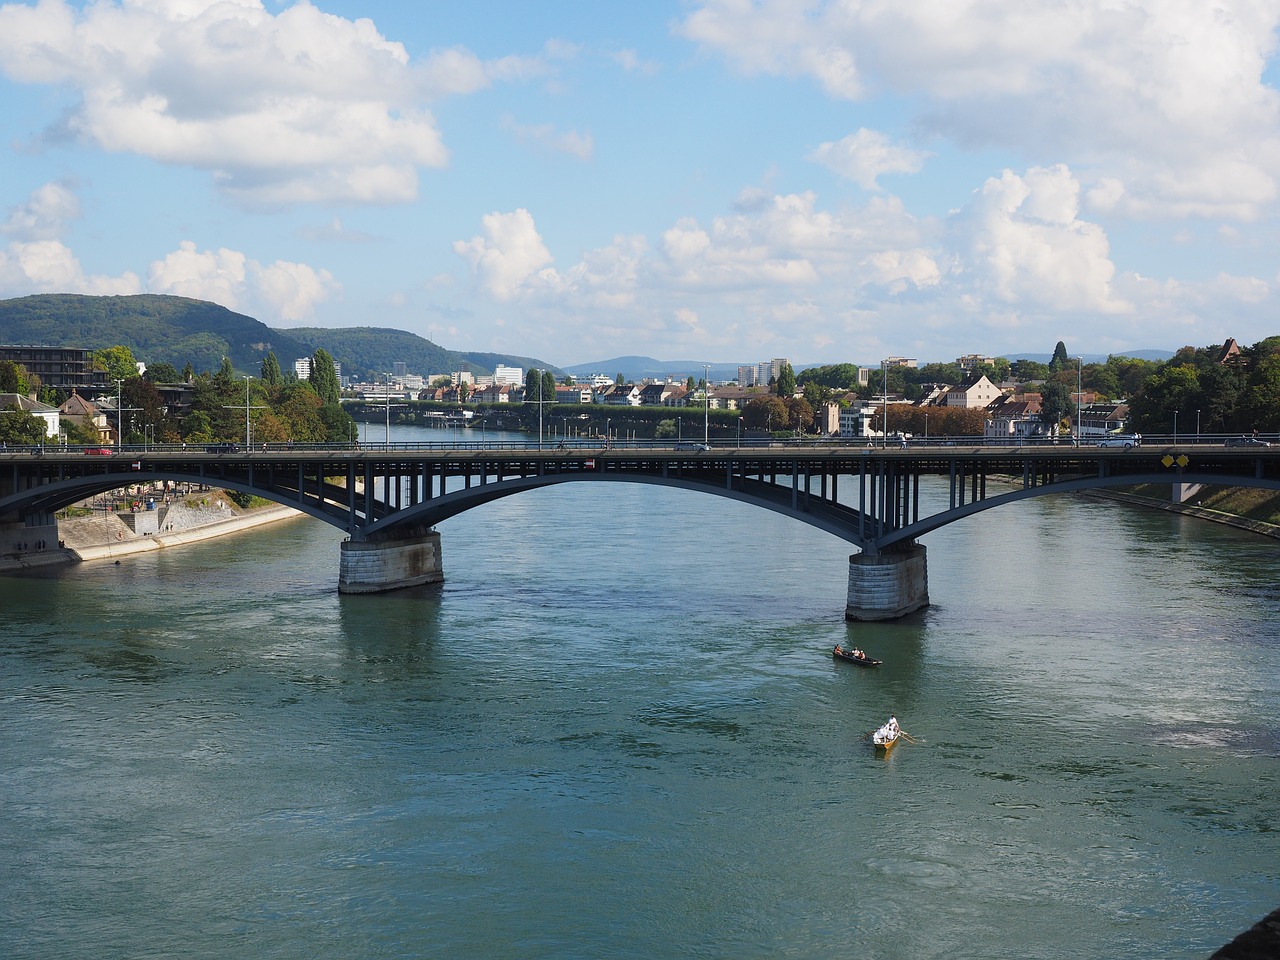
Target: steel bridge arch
<point x="326" y="503"/>
<point x="938" y="520"/>
<point x="58" y="494"/>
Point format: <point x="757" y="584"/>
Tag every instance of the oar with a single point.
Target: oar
<point x="908" y="737"/>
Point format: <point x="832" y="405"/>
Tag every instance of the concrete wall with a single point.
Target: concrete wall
<point x="888" y="585"/>
<point x="376" y="566"/>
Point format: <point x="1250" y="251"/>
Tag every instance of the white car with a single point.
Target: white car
<point x="1126" y="440"/>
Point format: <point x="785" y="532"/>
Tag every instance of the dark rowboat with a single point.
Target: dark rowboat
<point x="840" y="653"/>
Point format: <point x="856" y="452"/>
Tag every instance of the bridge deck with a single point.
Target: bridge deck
<point x="868" y="495"/>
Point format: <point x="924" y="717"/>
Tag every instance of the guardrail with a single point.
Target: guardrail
<point x="593" y="444"/>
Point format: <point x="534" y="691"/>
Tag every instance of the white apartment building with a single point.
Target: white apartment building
<point x="506" y="376"/>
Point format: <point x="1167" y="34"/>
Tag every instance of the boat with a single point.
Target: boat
<point x="887" y="737"/>
<point x="840" y="653"/>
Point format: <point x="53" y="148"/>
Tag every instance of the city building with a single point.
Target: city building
<point x="62" y="368"/>
<point x="508" y="376"/>
<point x="971" y="361"/>
<point x="302" y="368"/>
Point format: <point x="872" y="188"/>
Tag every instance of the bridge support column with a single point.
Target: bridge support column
<point x="376" y="566"/>
<point x="888" y="585"/>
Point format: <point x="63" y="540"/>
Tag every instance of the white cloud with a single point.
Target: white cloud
<point x="865" y="155"/>
<point x="580" y="145"/>
<point x="288" y="291"/>
<point x="1165" y="98"/>
<point x="1020" y="241"/>
<point x="297" y="107"/>
<point x="511" y="253"/>
<point x="44" y="214"/>
<point x="44" y="266"/>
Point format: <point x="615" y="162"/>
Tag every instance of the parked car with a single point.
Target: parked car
<point x="1246" y="442"/>
<point x="97" y="451"/>
<point x="222" y="448"/>
<point x="1126" y="440"/>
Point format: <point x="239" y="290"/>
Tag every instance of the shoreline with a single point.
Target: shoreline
<point x="86" y="539"/>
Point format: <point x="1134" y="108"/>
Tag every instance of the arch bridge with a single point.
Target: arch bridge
<point x="390" y="499"/>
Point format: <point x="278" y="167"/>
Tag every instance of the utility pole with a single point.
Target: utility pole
<point x="706" y="405"/>
<point x="247" y="408"/>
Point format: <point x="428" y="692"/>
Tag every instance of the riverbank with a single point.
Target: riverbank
<point x="116" y="535"/>
<point x="1234" y="507"/>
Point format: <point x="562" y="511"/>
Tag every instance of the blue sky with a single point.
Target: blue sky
<point x="711" y="180"/>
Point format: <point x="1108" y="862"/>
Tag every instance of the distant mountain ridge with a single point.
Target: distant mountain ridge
<point x="180" y="330"/>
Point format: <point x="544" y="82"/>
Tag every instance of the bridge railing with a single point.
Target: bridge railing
<point x="599" y="443"/>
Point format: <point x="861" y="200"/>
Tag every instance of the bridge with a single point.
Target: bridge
<point x="389" y="500"/>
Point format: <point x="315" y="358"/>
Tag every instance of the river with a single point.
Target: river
<point x="617" y="730"/>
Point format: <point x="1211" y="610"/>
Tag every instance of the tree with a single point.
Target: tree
<point x="162" y="372"/>
<point x="14" y="378"/>
<point x="765" y="413"/>
<point x="19" y="427"/>
<point x="1060" y="359"/>
<point x="548" y="386"/>
<point x="1025" y="370"/>
<point x="533" y="386"/>
<point x="272" y="375"/>
<point x="786" y="382"/>
<point x="226" y="373"/>
<point x="1056" y="401"/>
<point x="324" y="378"/>
<point x="117" y="361"/>
<point x="799" y="413"/>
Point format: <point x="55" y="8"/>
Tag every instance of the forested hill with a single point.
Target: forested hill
<point x="179" y="330"/>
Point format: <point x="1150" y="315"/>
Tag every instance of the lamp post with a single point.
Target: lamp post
<point x="386" y="439"/>
<point x="1197" y="425"/>
<point x="706" y="405"/>
<point x="606" y="433"/>
<point x="1079" y="399"/>
<point x="247" y="445"/>
<point x="1175" y="428"/>
<point x="119" y="415"/>
<point x="739" y="431"/>
<point x="884" y="389"/>
<point x="926" y="429"/>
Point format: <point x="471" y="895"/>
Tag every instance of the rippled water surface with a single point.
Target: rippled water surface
<point x="617" y="731"/>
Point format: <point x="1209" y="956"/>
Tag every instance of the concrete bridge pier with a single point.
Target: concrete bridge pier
<point x="382" y="564"/>
<point x="889" y="585"/>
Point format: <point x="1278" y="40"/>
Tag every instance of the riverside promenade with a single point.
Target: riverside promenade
<point x="110" y="537"/>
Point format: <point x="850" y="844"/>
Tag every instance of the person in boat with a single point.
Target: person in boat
<point x="839" y="650"/>
<point x="859" y="654"/>
<point x="893" y="723"/>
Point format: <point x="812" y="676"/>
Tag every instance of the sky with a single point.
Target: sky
<point x="713" y="180"/>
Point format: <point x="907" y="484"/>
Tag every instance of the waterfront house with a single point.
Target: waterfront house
<point x="41" y="411"/>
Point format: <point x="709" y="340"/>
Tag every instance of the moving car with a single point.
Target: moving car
<point x="1245" y="442"/>
<point x="222" y="448"/>
<point x="1126" y="440"/>
<point x="97" y="451"/>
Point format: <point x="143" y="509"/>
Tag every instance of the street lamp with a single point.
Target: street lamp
<point x="1175" y="428"/>
<point x="926" y="429"/>
<point x="539" y="373"/>
<point x="247" y="445"/>
<point x="606" y="432"/>
<point x="119" y="415"/>
<point x="386" y="440"/>
<point x="884" y="389"/>
<point x="1197" y="425"/>
<point x="706" y="405"/>
<point x="739" y="431"/>
<point x="1079" y="399"/>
